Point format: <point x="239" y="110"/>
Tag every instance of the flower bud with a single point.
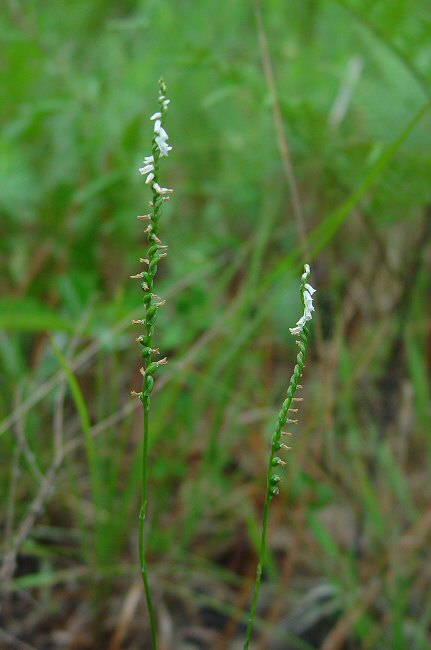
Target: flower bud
<point x="148" y="385"/>
<point x="151" y="368"/>
<point x="277" y="461"/>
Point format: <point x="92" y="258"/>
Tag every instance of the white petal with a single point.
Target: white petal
<point x="162" y="133"/>
<point x="310" y="289"/>
<point x="156" y="116"/>
<point x="148" y="159"/>
<point x="164" y="148"/>
<point x="308" y="300"/>
<point x="149" y="178"/>
<point x="162" y="190"/>
<point x="146" y="169"/>
<point x="157" y="125"/>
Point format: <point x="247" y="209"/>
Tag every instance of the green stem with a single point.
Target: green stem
<point x="142" y="513"/>
<point x="259" y="570"/>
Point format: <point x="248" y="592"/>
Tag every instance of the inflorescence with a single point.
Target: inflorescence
<point x="301" y="331"/>
<point x="156" y="251"/>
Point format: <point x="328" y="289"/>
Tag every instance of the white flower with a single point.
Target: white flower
<point x="295" y="330"/>
<point x="161" y="190"/>
<point x="146" y="169"/>
<point x="164" y="148"/>
<point x="161" y="138"/>
<point x="162" y="133"/>
<point x="156" y="116"/>
<point x="308" y="301"/>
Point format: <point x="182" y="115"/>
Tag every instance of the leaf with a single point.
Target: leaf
<point x="28" y="315"/>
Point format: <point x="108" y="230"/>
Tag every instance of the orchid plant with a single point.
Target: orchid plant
<point x="273" y="477"/>
<point x="152" y="303"/>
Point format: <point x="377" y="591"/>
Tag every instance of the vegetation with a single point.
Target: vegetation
<point x="300" y="133"/>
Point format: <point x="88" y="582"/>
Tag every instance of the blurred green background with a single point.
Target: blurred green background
<point x="301" y="133"/>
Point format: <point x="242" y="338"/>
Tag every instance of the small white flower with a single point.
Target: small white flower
<point x="149" y="178"/>
<point x="310" y="289"/>
<point x="308" y="300"/>
<point x="146" y="169"/>
<point x="163" y="146"/>
<point x="157" y="126"/>
<point x="156" y="116"/>
<point x="148" y="160"/>
<point x="161" y="190"/>
<point x="162" y="133"/>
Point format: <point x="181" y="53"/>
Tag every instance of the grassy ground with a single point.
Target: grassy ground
<point x="300" y="133"/>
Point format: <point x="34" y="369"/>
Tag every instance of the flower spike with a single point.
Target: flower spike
<point x="272" y="490"/>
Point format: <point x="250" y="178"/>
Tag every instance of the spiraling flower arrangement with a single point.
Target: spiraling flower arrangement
<point x="275" y="462"/>
<point x="307" y="293"/>
<point x="152" y="303"/>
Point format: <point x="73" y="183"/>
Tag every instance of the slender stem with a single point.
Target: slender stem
<point x="259" y="570"/>
<point x="270" y="488"/>
<point x="142" y="559"/>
